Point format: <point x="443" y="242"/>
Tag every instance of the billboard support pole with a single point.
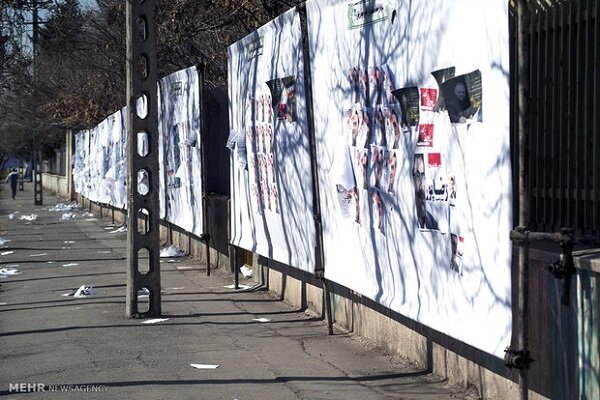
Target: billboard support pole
<point x="519" y="358"/>
<point x="319" y="256"/>
<point x="69" y="150"/>
<point x="233" y="250"/>
<point x="203" y="141"/>
<point x="523" y="127"/>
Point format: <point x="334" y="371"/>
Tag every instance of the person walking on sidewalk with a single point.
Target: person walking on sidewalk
<point x="12" y="178"/>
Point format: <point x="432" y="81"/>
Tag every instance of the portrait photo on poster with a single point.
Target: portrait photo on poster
<point x="260" y="149"/>
<point x="463" y="97"/>
<point x="346" y="188"/>
<point x="393" y="131"/>
<point x="357" y="127"/>
<point x="283" y="97"/>
<point x="360" y="166"/>
<point x="378" y="167"/>
<point x="371" y="86"/>
<point x="392" y="169"/>
<point x="408" y="98"/>
<point x="356" y="87"/>
<point x="425" y="219"/>
<point x="379" y="129"/>
<point x="456" y="258"/>
<point x="381" y="85"/>
<point x="378" y="208"/>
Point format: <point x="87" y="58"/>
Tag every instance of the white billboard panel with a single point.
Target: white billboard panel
<point x="113" y="189"/>
<point x="80" y="162"/>
<point x="412" y="124"/>
<point x="180" y="166"/>
<point x="96" y="161"/>
<point x="271" y="184"/>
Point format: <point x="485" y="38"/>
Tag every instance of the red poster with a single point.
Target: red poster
<point x="434" y="159"/>
<point x="425" y="138"/>
<point x="428" y="99"/>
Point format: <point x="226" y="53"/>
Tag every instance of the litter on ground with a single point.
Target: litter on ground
<point x="204" y="366"/>
<point x="85" y="291"/>
<point x="67" y="217"/>
<point x="172" y="251"/>
<point x="64" y="207"/>
<point x="6" y="272"/>
<point x="239" y="287"/>
<point x="155" y="320"/>
<point x="246" y="272"/>
<point x="120" y="229"/>
<point x="31" y="217"/>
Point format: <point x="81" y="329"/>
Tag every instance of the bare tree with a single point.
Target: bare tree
<point x="74" y="76"/>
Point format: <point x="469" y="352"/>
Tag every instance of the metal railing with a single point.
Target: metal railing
<point x="564" y="116"/>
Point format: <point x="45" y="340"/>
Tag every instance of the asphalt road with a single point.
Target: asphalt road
<point x="248" y="344"/>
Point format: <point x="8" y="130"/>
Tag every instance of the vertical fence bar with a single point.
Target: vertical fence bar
<point x="533" y="185"/>
<point x="557" y="114"/>
<point x="577" y="123"/>
<point x="547" y="102"/>
<point x="552" y="58"/>
<point x="587" y="61"/>
<point x="568" y="133"/>
<point x="579" y="114"/>
<point x="539" y="134"/>
<point x="596" y="127"/>
<point x="560" y="78"/>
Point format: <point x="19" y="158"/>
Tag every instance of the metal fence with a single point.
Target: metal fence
<point x="563" y="189"/>
<point x="564" y="113"/>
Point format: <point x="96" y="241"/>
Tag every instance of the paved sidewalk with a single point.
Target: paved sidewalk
<point x="264" y="349"/>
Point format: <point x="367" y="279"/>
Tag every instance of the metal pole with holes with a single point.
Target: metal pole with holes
<point x="21" y="175"/>
<point x="142" y="167"/>
<point x="38" y="198"/>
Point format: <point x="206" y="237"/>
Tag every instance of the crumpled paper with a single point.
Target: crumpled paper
<point x="172" y="251"/>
